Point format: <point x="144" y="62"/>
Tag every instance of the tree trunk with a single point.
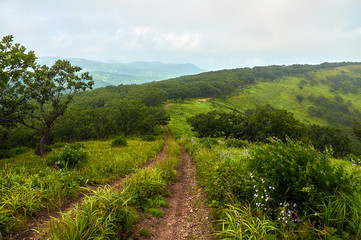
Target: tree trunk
<point x="45" y="135"/>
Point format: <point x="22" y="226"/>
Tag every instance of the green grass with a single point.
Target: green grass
<point x="28" y="185"/>
<point x="180" y="112"/>
<point x="109" y="214"/>
<point x="223" y="173"/>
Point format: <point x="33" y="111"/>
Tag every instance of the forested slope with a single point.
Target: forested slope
<point x="325" y="94"/>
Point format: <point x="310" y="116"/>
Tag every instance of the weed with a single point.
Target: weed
<point x="146" y="232"/>
<point x="68" y="158"/>
<point x="119" y="142"/>
<point x="158" y="213"/>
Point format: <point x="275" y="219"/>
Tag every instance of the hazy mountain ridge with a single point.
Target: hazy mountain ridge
<point x="114" y="73"/>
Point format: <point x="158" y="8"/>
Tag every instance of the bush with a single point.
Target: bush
<point x="236" y="143"/>
<point x="148" y="138"/>
<point x="4" y="153"/>
<point x="298" y="173"/>
<point x="119" y="141"/>
<point x="68" y="158"/>
<point x="209" y="142"/>
<point x="77" y="146"/>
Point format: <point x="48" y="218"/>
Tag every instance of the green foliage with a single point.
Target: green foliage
<point x="158" y="213"/>
<point x="148" y="138"/>
<point x="68" y="158"/>
<point x="34" y="95"/>
<point x="109" y="213"/>
<point x="256" y="125"/>
<point x="264" y="203"/>
<point x="146" y="184"/>
<point x="4" y="153"/>
<point x="298" y="173"/>
<point x="240" y="223"/>
<point x="356" y="127"/>
<point x="324" y="138"/>
<point x="119" y="142"/>
<point x="236" y="143"/>
<point x="215" y="124"/>
<point x="209" y="142"/>
<point x="103" y="216"/>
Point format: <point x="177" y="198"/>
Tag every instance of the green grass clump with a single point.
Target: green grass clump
<point x="279" y="190"/>
<point x="68" y="158"/>
<point x="236" y="143"/>
<point x="106" y="215"/>
<point x="158" y="213"/>
<point x="300" y="174"/>
<point x="119" y="142"/>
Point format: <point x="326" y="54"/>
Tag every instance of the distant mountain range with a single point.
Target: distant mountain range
<point x="115" y="73"/>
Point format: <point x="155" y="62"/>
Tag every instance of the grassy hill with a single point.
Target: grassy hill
<point x="327" y="96"/>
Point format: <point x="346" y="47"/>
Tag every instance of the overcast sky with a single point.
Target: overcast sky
<point x="212" y="34"/>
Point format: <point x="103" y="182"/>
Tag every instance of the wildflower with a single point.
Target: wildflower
<point x="256" y="195"/>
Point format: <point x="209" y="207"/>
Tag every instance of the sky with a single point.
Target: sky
<point x="212" y="34"/>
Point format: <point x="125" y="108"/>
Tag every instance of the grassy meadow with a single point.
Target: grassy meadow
<point x="29" y="185"/>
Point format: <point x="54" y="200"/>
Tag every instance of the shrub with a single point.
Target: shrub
<point x="148" y="138"/>
<point x="208" y="142"/>
<point x="236" y="143"/>
<point x="58" y="145"/>
<point x="119" y="141"/>
<point x="77" y="146"/>
<point x="299" y="174"/>
<point x="68" y="158"/>
<point x="4" y="153"/>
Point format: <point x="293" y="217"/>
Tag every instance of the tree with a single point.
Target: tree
<point x="35" y="96"/>
<point x="15" y="64"/>
<point x="324" y="136"/>
<point x="356" y="127"/>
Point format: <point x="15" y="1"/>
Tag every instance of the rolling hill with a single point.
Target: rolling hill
<point x="115" y="73"/>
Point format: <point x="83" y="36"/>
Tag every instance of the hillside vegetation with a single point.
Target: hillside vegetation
<point x="264" y="141"/>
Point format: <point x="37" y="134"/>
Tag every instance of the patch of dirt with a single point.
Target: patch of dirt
<point x="187" y="216"/>
<point x="168" y="105"/>
<point x="203" y="100"/>
<point x="40" y="221"/>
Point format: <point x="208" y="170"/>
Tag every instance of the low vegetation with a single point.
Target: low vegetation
<point x="110" y="213"/>
<point x="278" y="190"/>
<point x="30" y="183"/>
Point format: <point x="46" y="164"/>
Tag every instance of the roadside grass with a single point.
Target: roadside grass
<point x="28" y="185"/>
<point x="110" y="214"/>
<point x="244" y="203"/>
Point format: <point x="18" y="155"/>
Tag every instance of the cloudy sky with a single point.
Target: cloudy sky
<point x="212" y="34"/>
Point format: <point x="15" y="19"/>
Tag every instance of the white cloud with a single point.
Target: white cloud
<point x="208" y="32"/>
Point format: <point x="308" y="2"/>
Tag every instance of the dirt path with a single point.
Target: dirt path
<point x="294" y="100"/>
<point x="203" y="100"/>
<point x="41" y="220"/>
<point x="187" y="216"/>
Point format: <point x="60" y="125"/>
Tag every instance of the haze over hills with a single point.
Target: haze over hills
<point x="115" y="73"/>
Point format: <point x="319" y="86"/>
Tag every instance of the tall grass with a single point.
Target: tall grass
<point x="109" y="214"/>
<point x="245" y="204"/>
<point x="28" y="185"/>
